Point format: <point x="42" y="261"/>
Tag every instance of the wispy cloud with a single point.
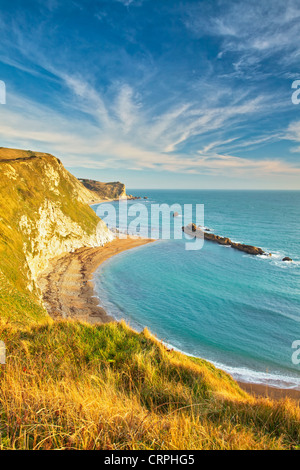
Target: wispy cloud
<point x="293" y="134"/>
<point x="119" y="140"/>
<point x="254" y="33"/>
<point x="127" y="3"/>
<point x="155" y="116"/>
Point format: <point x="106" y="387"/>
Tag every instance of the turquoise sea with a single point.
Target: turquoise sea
<point x="238" y="311"/>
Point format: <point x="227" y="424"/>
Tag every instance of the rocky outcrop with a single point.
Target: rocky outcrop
<point x="130" y="197"/>
<point x="197" y="231"/>
<point x="287" y="259"/>
<point x="251" y="250"/>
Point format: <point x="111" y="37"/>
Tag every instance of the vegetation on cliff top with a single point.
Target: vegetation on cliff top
<point x="105" y="190"/>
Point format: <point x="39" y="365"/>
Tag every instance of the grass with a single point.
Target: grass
<point x="70" y="385"/>
<point x="17" y="307"/>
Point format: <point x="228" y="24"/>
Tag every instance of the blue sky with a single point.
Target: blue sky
<point x="156" y="93"/>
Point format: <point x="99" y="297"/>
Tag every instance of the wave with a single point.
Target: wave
<point x="243" y="374"/>
<point x="277" y="260"/>
<point x="240" y="374"/>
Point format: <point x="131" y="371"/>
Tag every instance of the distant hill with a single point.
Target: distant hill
<point x="105" y="190"/>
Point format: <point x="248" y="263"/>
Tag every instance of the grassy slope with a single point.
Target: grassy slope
<point x="18" y="307"/>
<point x="72" y="385"/>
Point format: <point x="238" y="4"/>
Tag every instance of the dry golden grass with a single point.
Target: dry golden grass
<point x="70" y="385"/>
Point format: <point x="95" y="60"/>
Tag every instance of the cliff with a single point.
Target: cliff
<point x="43" y="213"/>
<point x="102" y="191"/>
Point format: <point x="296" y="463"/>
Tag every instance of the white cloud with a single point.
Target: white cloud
<point x="123" y="140"/>
<point x="293" y="134"/>
<point x="127" y="108"/>
<point x="118" y="129"/>
<point x="127" y="3"/>
<point x="256" y="31"/>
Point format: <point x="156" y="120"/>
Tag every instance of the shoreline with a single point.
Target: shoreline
<point x="67" y="284"/>
<point x="122" y="198"/>
<point x="102" y="201"/>
<point x="266" y="391"/>
<point x="68" y="291"/>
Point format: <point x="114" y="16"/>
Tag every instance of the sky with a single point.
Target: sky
<point x="156" y="93"/>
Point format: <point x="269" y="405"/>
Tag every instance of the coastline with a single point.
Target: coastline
<point x="68" y="291"/>
<point x="102" y="201"/>
<point x="266" y="391"/>
<point x="122" y="198"/>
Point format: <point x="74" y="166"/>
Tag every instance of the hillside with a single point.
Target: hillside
<point x="105" y="190"/>
<point x="73" y="385"/>
<point x="70" y="385"/>
<point x="43" y="213"/>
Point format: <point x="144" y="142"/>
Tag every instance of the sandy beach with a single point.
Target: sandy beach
<point x="68" y="292"/>
<point x="270" y="392"/>
<point x="67" y="286"/>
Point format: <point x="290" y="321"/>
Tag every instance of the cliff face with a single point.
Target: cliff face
<point x="54" y="233"/>
<point x="105" y="190"/>
<point x="43" y="213"/>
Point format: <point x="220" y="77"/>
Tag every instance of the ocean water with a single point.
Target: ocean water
<point x="240" y="312"/>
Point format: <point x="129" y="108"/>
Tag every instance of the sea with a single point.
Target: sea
<point x="240" y="312"/>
